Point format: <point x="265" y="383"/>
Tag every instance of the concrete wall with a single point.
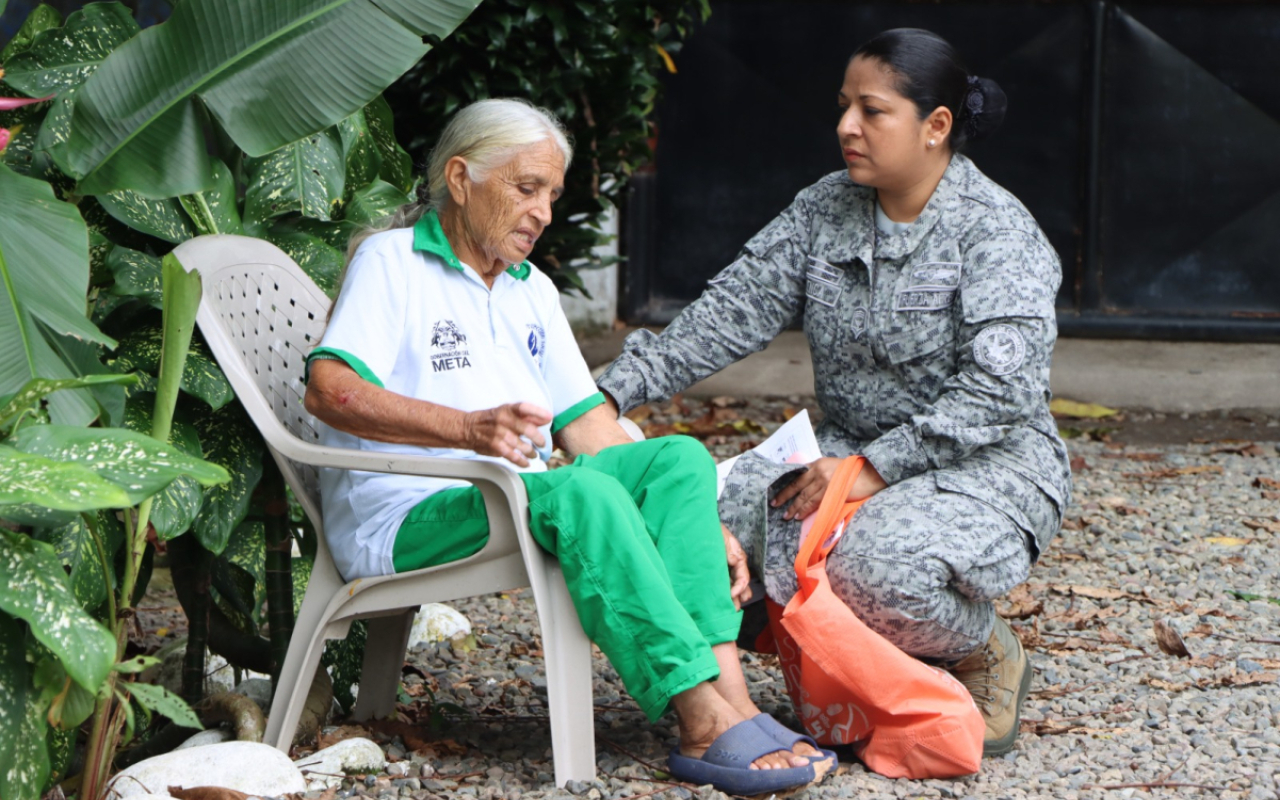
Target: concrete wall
<point x="601" y="310"/>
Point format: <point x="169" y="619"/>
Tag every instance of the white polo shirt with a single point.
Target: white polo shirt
<point x="415" y="320"/>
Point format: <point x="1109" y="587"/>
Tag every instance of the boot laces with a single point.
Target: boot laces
<point x="983" y="681"/>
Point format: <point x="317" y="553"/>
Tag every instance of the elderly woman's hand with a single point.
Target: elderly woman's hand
<point x="739" y="577"/>
<point x="806" y="491"/>
<point x="498" y="431"/>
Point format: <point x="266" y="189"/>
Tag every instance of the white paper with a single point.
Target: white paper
<point x="793" y="442"/>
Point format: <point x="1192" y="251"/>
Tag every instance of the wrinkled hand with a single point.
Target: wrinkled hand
<point x="739" y="577"/>
<point x="498" y="431"/>
<point x="806" y="491"/>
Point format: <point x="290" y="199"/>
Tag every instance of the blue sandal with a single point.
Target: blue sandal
<point x="788" y="738"/>
<point x="727" y="764"/>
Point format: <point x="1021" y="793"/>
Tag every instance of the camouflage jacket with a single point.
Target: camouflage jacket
<point x="931" y="348"/>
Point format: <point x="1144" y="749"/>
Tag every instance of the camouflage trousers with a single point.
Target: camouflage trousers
<point x="919" y="564"/>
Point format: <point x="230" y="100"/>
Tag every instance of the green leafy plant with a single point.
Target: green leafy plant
<point x="264" y="119"/>
<point x="595" y="64"/>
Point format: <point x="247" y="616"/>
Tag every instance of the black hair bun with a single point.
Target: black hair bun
<point x="984" y="107"/>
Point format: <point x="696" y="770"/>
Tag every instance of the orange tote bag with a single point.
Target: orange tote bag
<point x="850" y="685"/>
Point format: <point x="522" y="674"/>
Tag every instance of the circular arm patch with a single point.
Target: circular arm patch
<point x="999" y="349"/>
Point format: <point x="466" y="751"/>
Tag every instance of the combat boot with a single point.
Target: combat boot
<point x="997" y="675"/>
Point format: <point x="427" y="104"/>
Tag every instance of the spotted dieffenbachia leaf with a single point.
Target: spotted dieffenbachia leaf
<point x="321" y="261"/>
<point x="307" y="176"/>
<point x="164" y="702"/>
<point x="138" y="464"/>
<point x="214" y="210"/>
<point x="229" y="440"/>
<point x="36" y="592"/>
<point x="83" y="553"/>
<point x="137" y="274"/>
<point x="23" y="728"/>
<point x="176" y="507"/>
<point x="32" y="479"/>
<point x="375" y="202"/>
<point x="27" y="398"/>
<point x="360" y="151"/>
<point x="163" y="219"/>
<point x="140" y="352"/>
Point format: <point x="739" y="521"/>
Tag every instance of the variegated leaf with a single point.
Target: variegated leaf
<point x="232" y="442"/>
<point x="238" y="591"/>
<point x="175" y="508"/>
<point x="33" y="391"/>
<point x="375" y="202"/>
<point x="27" y="478"/>
<point x="136" y="463"/>
<point x="306" y="176"/>
<point x="360" y="151"/>
<point x="320" y="260"/>
<point x="36" y="591"/>
<point x="140" y="352"/>
<point x="215" y="211"/>
<point x="68" y="702"/>
<point x="78" y="549"/>
<point x="397" y="165"/>
<point x="23" y="728"/>
<point x="42" y="18"/>
<point x="163" y="219"/>
<point x="62" y="58"/>
<point x="137" y="274"/>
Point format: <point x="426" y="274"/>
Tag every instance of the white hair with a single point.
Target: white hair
<point x="487" y="134"/>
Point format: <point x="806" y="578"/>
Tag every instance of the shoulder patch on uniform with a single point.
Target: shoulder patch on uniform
<point x="999" y="349"/>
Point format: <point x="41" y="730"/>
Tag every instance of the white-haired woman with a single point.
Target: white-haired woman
<point x="446" y="341"/>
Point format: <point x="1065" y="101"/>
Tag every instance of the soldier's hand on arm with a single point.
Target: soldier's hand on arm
<point x="806" y="491"/>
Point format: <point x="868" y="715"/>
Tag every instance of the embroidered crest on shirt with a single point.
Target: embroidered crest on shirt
<point x="858" y="321"/>
<point x="536" y="342"/>
<point x="449" y="343"/>
<point x="999" y="349"/>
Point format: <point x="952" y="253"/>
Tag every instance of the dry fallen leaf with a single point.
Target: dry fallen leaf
<point x="1020" y="604"/>
<point x="1237" y="678"/>
<point x="1095" y="592"/>
<point x="1227" y="541"/>
<point x="1174" y="472"/>
<point x="206" y="793"/>
<point x="1049" y="727"/>
<point x="1060" y="407"/>
<point x="1072" y="524"/>
<point x="640" y="413"/>
<point x="1168" y="686"/>
<point x="1135" y="456"/>
<point x="1169" y="640"/>
<point x="1108" y="636"/>
<point x="1078" y="464"/>
<point x="1262" y="525"/>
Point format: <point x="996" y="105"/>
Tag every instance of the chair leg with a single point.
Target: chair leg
<point x="383" y="659"/>
<point x="296" y="676"/>
<point x="569" y="693"/>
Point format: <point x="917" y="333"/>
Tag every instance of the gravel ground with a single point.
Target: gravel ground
<point x="1178" y="535"/>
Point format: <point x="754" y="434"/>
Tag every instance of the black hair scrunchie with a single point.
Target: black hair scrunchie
<point x="974" y="102"/>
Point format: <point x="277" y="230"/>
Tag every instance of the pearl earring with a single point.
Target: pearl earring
<point x="932" y="143"/>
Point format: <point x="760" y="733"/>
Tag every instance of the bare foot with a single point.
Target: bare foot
<point x="704" y="715"/>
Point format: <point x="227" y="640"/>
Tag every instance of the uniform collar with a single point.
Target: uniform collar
<point x="428" y="237"/>
<point x="944" y="201"/>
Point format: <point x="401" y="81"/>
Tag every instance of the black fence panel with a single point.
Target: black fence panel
<point x="1142" y="136"/>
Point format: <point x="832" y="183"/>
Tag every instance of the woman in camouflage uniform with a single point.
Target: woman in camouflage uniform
<point x="927" y="294"/>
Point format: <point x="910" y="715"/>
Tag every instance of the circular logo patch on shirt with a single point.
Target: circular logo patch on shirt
<point x="999" y="349"/>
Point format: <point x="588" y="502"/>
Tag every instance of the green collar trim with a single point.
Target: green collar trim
<point x="428" y="237"/>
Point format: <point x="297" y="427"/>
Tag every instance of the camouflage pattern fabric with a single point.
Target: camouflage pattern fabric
<point x="931" y="353"/>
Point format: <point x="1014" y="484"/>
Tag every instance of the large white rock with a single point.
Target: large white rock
<point x="436" y="622"/>
<point x="348" y="757"/>
<point x="249" y="767"/>
<point x="205" y="738"/>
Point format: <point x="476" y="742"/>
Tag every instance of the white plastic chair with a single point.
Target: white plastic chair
<point x="261" y="315"/>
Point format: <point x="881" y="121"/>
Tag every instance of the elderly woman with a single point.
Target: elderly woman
<point x="926" y="292"/>
<point x="446" y="341"/>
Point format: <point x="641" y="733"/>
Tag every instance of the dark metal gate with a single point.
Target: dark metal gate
<point x="1145" y="138"/>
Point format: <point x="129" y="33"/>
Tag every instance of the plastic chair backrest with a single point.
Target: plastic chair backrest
<point x="272" y="315"/>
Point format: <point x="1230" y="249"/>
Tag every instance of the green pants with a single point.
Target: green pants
<point x="637" y="535"/>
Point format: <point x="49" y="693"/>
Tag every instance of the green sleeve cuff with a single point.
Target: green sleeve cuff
<point x="361" y="368"/>
<point x="576" y="410"/>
